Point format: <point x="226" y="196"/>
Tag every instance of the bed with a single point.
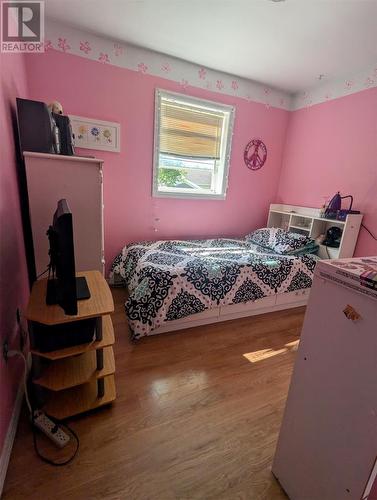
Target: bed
<point x="178" y="284"/>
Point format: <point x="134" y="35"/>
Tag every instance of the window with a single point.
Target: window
<point x="192" y="147"/>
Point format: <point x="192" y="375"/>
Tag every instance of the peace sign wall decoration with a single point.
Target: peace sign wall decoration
<point x="255" y="154"/>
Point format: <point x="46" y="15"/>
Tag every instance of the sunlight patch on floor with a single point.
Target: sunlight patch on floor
<point x="185" y="381"/>
<point x="255" y="356"/>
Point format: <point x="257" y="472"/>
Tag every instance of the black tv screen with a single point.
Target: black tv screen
<point x="63" y="287"/>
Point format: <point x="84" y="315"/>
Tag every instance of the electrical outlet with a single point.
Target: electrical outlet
<point x="52" y="430"/>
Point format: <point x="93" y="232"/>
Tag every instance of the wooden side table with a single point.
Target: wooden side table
<point x="79" y="378"/>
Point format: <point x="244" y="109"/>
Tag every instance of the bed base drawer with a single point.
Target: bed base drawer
<point x="225" y="313"/>
<point x="296" y="296"/>
<point x="246" y="307"/>
<point x="204" y="318"/>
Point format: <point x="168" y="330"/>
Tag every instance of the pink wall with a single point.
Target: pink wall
<point x="333" y="147"/>
<point x="13" y="273"/>
<point x="97" y="90"/>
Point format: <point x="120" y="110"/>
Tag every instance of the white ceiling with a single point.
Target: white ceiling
<point x="283" y="44"/>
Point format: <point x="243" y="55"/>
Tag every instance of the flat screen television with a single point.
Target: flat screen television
<point x="63" y="287"/>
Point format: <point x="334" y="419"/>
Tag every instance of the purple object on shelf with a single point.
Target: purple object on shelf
<point x="335" y="205"/>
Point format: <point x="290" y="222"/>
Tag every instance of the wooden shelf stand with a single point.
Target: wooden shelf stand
<point x="78" y="378"/>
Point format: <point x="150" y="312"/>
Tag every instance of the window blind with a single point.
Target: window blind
<point x="190" y="131"/>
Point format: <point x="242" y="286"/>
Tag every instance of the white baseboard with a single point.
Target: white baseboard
<point x="9" y="438"/>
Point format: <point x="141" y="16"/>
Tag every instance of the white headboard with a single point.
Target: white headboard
<point x="306" y="220"/>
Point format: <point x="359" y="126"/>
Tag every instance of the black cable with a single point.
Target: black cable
<point x="44" y="272"/>
<point x="46" y="459"/>
<point x="57" y="422"/>
<point x="32" y="411"/>
<point x="368" y="231"/>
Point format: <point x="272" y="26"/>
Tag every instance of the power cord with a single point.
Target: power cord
<point x="368" y="231"/>
<point x="11" y="354"/>
<point x="34" y="412"/>
<point x="48" y="460"/>
<point x="44" y="272"/>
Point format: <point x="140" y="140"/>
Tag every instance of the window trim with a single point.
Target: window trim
<point x="159" y="93"/>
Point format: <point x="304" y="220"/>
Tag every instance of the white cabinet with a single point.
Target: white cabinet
<point x="328" y="439"/>
<point x="80" y="181"/>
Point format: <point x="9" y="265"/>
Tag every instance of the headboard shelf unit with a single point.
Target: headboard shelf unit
<point x="308" y="221"/>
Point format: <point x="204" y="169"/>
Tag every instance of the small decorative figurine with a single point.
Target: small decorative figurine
<point x="55" y="107"/>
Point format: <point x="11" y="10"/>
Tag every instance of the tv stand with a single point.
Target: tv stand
<point x="82" y="290"/>
<point x="77" y="378"/>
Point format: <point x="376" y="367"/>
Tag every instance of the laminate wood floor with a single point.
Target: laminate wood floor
<point x="197" y="416"/>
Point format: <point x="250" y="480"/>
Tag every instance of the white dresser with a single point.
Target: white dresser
<point x="328" y="439"/>
<point x="80" y="180"/>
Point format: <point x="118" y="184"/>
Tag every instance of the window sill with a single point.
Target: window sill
<point x="189" y="196"/>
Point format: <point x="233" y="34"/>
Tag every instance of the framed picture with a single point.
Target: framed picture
<point x="95" y="134"/>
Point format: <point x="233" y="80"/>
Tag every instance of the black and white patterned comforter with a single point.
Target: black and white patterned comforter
<point x="168" y="280"/>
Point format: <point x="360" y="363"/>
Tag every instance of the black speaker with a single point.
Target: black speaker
<point x="333" y="237"/>
<point x="66" y="138"/>
<point x="34" y="126"/>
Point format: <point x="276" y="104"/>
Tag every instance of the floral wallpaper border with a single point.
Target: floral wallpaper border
<point x="335" y="88"/>
<point x="80" y="43"/>
<point x="70" y="40"/>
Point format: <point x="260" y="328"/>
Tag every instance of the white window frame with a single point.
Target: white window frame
<point x="225" y="144"/>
